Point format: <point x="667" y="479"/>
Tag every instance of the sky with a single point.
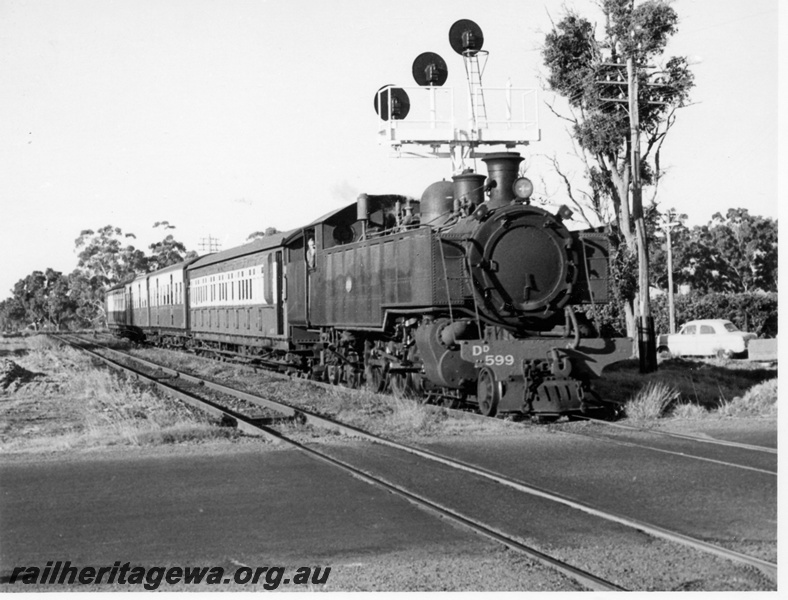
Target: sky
<point x="225" y="117"/>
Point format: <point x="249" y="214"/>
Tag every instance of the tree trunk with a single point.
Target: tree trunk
<point x="631" y="320"/>
<point x="620" y="179"/>
<point x="619" y="175"/>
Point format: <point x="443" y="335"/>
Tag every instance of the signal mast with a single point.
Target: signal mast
<point x="496" y="116"/>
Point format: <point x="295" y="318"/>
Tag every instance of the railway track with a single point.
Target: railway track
<point x="684" y="436"/>
<point x="252" y="426"/>
<point x="771" y="470"/>
<point x="764" y="461"/>
<point x="261" y="426"/>
<point x="769" y="454"/>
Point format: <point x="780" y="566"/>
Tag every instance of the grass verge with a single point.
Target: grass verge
<point x="692" y="389"/>
<point x="69" y="402"/>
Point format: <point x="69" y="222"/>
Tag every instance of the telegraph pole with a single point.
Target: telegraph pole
<point x="647" y="343"/>
<point x="671" y="306"/>
<point x="210" y="244"/>
<point x="669" y="224"/>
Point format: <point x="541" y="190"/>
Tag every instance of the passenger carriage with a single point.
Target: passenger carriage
<point x="237" y="298"/>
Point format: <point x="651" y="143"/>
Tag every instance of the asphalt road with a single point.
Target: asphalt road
<point x="229" y="507"/>
<point x="279" y="507"/>
<point x="728" y="506"/>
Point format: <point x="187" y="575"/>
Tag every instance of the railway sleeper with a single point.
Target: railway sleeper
<point x="268" y="421"/>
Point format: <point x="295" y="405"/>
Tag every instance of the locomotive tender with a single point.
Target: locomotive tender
<point x="463" y="296"/>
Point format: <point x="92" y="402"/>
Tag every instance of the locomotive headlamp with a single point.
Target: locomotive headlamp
<point x="523" y="188"/>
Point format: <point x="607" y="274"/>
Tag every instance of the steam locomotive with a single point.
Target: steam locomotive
<point x="464" y="296"/>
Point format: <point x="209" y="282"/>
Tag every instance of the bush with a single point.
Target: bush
<point x="758" y="401"/>
<point x="607" y="319"/>
<point x="748" y="311"/>
<point x="755" y="312"/>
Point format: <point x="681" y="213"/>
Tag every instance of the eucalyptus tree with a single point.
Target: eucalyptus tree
<point x="588" y="67"/>
<point x="168" y="251"/>
<point x="42" y="299"/>
<point x="107" y="255"/>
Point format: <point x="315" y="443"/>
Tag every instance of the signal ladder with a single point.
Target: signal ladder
<point x="473" y="71"/>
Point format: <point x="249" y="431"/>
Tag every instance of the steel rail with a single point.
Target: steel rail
<point x="637" y="444"/>
<point x="583" y="577"/>
<point x="672" y="452"/>
<point x="684" y="436"/>
<point x="247" y="425"/>
<point x="768" y="568"/>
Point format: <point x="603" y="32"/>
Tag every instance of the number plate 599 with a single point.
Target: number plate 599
<point x="492" y="360"/>
<point x="481" y="353"/>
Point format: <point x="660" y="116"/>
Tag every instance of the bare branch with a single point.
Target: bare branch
<point x="559" y="115"/>
<point x="569" y="189"/>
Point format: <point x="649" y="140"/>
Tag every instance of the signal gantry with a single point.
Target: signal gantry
<point x="496" y="117"/>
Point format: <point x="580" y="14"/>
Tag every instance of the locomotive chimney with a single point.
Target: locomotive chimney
<point x="469" y="187"/>
<point x="362" y="213"/>
<point x="503" y="169"/>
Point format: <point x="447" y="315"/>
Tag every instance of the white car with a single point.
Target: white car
<point x="706" y="337"/>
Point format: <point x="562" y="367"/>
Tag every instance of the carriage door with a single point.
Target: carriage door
<point x="310" y="252"/>
<point x="280" y="297"/>
<point x="296" y="282"/>
<point x="128" y="318"/>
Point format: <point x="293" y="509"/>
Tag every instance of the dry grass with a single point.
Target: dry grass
<point x="758" y="401"/>
<point x="692" y="389"/>
<point x="117" y="411"/>
<point x="387" y="415"/>
<point x="689" y="411"/>
<point x="652" y="402"/>
<point x="72" y="403"/>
